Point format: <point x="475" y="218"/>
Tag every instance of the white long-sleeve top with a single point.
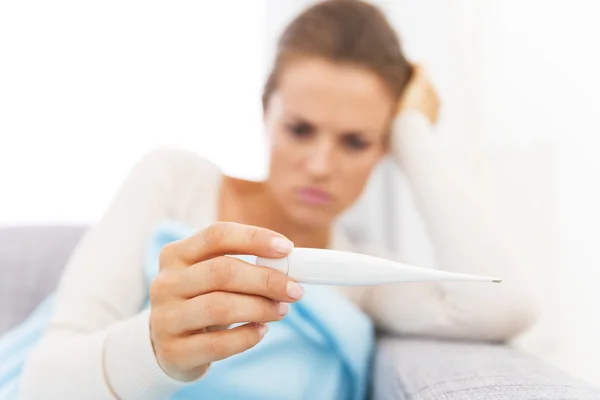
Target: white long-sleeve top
<point x="98" y="344"/>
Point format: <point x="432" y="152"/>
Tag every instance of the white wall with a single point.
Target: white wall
<point x="86" y="88"/>
<point x="542" y="85"/>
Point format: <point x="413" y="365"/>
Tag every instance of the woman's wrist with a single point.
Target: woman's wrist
<point x="420" y="96"/>
<point x="131" y="368"/>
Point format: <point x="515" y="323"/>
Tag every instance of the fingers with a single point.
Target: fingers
<point x="220" y="309"/>
<point x="198" y="290"/>
<point x="194" y="353"/>
<point x="231" y="275"/>
<point x="227" y="238"/>
<point x="225" y="274"/>
<point x="187" y="353"/>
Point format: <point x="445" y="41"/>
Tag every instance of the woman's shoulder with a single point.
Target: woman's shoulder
<point x="184" y="180"/>
<point x="174" y="167"/>
<point x="177" y="160"/>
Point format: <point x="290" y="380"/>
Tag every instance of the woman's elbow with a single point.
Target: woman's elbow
<point x="516" y="317"/>
<point x="518" y="303"/>
<point x="498" y="315"/>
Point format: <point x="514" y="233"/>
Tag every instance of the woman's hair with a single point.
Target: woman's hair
<point x="344" y="31"/>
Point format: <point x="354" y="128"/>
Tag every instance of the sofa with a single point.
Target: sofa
<point x="32" y="257"/>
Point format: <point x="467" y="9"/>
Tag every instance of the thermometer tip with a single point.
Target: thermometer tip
<point x="497" y="281"/>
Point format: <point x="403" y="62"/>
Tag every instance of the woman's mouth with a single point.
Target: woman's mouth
<point x="314" y="197"/>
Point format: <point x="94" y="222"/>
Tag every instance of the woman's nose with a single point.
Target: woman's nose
<point x="320" y="159"/>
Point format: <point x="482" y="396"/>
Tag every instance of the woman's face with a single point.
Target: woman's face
<point x="327" y="125"/>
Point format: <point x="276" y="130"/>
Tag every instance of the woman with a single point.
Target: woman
<point x="340" y="97"/>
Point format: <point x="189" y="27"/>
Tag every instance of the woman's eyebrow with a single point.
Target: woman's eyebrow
<point x="363" y="133"/>
<point x="297" y="117"/>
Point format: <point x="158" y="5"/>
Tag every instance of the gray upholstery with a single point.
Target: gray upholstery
<point x="31" y="259"/>
<point x="419" y="369"/>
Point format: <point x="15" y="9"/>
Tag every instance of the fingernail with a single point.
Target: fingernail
<point x="284" y="308"/>
<point x="282" y="245"/>
<point x="262" y="329"/>
<point x="294" y="290"/>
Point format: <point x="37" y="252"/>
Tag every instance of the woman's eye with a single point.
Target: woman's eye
<point x="301" y="129"/>
<point x="354" y="142"/>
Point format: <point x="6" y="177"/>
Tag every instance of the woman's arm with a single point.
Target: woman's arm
<point x="97" y="345"/>
<point x="468" y="236"/>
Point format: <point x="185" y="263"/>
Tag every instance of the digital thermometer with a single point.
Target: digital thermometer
<point x="340" y="268"/>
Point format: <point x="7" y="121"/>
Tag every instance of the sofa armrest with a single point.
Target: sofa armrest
<point x="418" y="369"/>
<point x="31" y="262"/>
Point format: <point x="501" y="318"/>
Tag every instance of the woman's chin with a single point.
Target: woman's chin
<point x="311" y="218"/>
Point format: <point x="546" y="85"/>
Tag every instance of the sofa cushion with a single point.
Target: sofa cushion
<point x="31" y="261"/>
<point x="421" y="369"/>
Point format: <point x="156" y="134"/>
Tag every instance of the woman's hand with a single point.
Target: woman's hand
<point x="199" y="292"/>
<point x="420" y="96"/>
